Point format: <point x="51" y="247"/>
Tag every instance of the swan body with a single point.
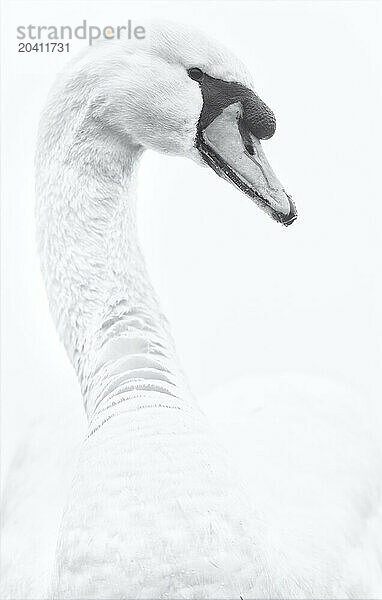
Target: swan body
<point x="162" y="504"/>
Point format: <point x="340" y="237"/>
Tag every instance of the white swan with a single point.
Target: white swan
<point x="156" y="509"/>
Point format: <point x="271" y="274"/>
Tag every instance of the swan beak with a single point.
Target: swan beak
<point x="229" y="147"/>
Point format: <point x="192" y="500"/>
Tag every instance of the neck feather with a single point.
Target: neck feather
<point x="102" y="302"/>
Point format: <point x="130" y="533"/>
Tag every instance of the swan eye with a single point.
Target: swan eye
<point x="195" y="73"/>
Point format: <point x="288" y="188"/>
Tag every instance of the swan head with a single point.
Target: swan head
<point x="179" y="92"/>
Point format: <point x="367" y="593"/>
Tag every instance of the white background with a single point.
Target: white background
<point x="244" y="295"/>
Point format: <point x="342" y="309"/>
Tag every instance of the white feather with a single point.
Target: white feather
<point x="164" y="503"/>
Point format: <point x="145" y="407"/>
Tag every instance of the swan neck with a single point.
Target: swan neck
<point x="100" y="296"/>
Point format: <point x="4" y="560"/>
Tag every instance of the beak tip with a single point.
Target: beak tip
<point x="288" y="219"/>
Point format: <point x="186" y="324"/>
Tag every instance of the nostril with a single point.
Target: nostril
<point x="245" y="136"/>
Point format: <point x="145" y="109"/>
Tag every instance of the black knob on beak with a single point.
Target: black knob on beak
<point x="259" y="119"/>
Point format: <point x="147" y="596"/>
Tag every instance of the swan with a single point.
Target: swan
<point x="162" y="504"/>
